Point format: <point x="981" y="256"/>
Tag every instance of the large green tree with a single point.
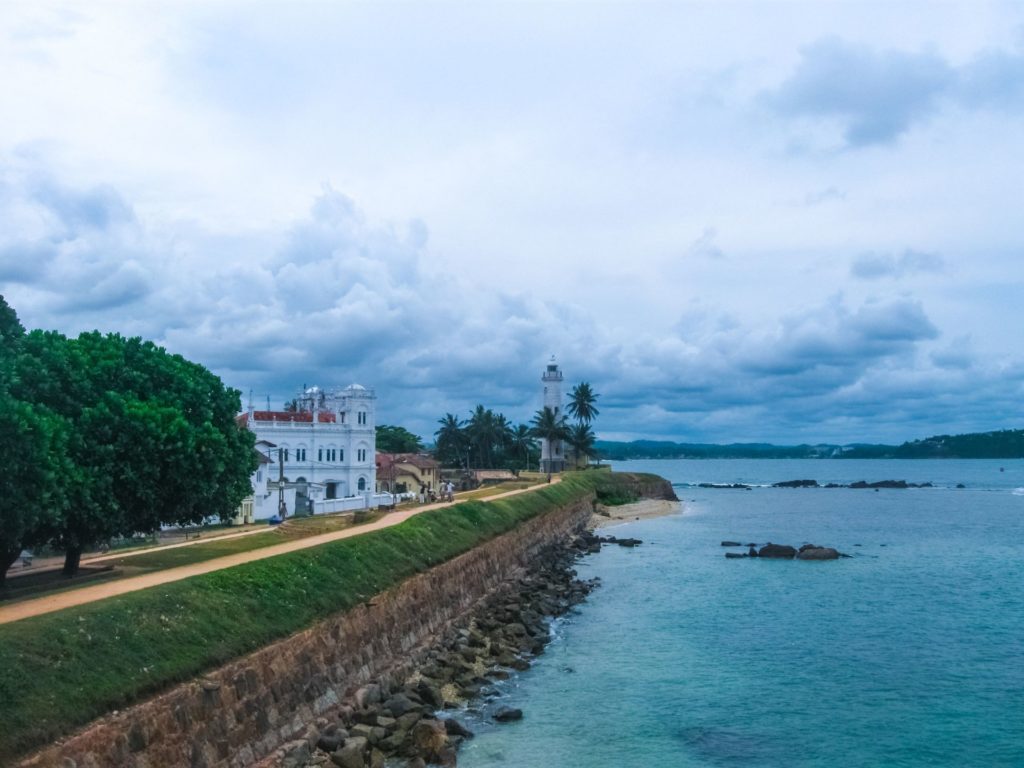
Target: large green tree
<point x="397" y="440"/>
<point x="151" y="437"/>
<point x="32" y="497"/>
<point x="31" y="454"/>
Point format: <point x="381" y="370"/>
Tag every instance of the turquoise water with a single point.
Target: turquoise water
<point x="909" y="654"/>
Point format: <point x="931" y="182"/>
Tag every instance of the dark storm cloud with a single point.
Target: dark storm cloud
<point x="78" y="245"/>
<point x="340" y="299"/>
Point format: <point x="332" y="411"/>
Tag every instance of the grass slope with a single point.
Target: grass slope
<point x="62" y="670"/>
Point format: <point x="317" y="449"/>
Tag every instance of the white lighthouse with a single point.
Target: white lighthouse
<point x="552" y="452"/>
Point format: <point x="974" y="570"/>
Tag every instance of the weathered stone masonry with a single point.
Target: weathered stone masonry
<point x="241" y="712"/>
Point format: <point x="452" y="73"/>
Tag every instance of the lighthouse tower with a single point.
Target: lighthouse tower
<point x="552" y="452"/>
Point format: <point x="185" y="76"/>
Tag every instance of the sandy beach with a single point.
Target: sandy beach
<point x="625" y="513"/>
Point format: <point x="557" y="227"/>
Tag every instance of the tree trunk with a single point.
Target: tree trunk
<point x="8" y="557"/>
<point x="72" y="557"/>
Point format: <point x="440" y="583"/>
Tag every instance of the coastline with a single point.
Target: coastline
<point x="644" y="509"/>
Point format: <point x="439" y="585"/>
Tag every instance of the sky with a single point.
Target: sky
<point x="767" y="221"/>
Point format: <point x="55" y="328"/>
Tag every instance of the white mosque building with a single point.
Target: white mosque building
<point x="552" y="452"/>
<point x="327" y="446"/>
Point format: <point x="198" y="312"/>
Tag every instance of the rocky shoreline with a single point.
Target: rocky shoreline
<point x="412" y="723"/>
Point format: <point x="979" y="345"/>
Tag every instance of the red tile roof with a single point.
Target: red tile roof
<point x="305" y="417"/>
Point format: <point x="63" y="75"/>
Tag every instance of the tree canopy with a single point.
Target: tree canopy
<point x="486" y="440"/>
<point x="397" y="440"/>
<point x="133" y="436"/>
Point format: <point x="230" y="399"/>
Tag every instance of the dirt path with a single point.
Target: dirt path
<point x="71" y="598"/>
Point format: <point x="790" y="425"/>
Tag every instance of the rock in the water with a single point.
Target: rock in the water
<point x="736" y="555"/>
<point x="783" y="551"/>
<point x="817" y="553"/>
<point x="508" y="714"/>
<point x="731" y="544"/>
<point x="454" y="728"/>
<point x="796" y="484"/>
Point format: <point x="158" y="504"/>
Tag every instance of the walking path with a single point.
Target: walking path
<point x="71" y="598"/>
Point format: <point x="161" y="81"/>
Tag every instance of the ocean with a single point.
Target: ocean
<point x="910" y="653"/>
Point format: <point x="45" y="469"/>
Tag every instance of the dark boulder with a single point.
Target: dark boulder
<point x="736" y="555"/>
<point x="796" y="484"/>
<point x="507" y="714"/>
<point x="817" y="553"/>
<point x="731" y="544"/>
<point x="399" y="704"/>
<point x="782" y="551"/>
<point x="454" y="728"/>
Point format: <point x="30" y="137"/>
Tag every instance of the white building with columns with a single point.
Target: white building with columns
<point x="552" y="452"/>
<point x="325" y="449"/>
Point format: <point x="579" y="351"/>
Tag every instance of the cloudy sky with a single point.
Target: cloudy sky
<point x="738" y="221"/>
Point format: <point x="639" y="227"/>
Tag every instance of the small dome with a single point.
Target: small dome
<point x="357" y="386"/>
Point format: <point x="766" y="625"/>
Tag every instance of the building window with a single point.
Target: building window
<point x="362" y="417"/>
<point x="284" y="452"/>
<point x="341" y="417"/>
<point x="333" y="454"/>
<point x="319" y="454"/>
<point x="361" y="454"/>
<point x="341" y="455"/>
<point x="300" y="454"/>
<point x="259" y="475"/>
<point x="362" y="483"/>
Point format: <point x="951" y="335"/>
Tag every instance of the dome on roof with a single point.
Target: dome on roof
<point x="356" y="386"/>
<point x="313" y="390"/>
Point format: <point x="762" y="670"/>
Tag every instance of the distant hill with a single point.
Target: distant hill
<point x="1003" y="444"/>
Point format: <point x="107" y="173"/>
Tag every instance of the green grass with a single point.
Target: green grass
<point x="62" y="670"/>
<point x="160" y="559"/>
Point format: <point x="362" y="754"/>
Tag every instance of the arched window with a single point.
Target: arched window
<point x="362" y="484"/>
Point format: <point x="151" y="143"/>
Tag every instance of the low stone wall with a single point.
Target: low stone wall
<point x="241" y="712"/>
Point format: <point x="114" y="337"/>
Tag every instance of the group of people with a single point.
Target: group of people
<point x="445" y="493"/>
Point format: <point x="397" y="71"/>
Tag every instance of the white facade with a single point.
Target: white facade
<point x="552" y="453"/>
<point x="326" y="449"/>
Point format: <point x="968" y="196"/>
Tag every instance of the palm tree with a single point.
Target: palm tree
<point x="581" y="438"/>
<point x="550" y="425"/>
<point x="581" y="403"/>
<point x="504" y="436"/>
<point x="451" y="438"/>
<point x="522" y="442"/>
<point x="483" y="433"/>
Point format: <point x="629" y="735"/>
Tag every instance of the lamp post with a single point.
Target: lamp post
<point x="282" y="508"/>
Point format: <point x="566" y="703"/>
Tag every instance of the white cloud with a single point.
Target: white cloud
<point x="433" y="202"/>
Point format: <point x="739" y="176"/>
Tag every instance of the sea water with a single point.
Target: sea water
<point x="910" y="653"/>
